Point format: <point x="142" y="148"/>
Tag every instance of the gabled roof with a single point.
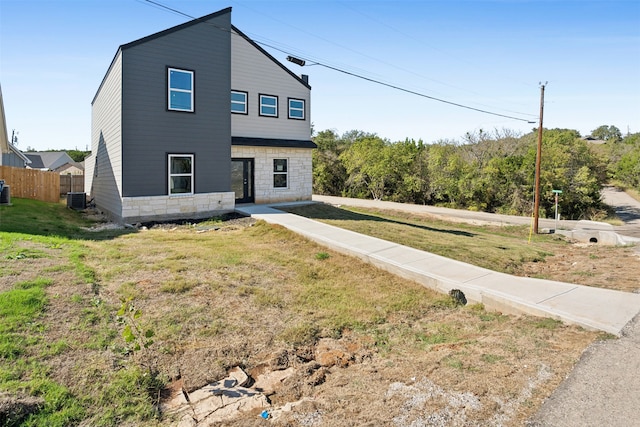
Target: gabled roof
<point x="161" y="34"/>
<point x="77" y="165"/>
<point x="189" y="24"/>
<point x="178" y="28"/>
<point x="17" y="152"/>
<point x="49" y="160"/>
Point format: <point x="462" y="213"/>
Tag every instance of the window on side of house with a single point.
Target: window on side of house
<point x="239" y="102"/>
<point x="280" y="173"/>
<point x="296" y="109"/>
<point x="180" y="174"/>
<point x="180" y="87"/>
<point x="268" y="105"/>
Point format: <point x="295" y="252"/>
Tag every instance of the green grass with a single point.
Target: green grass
<point x="21" y="309"/>
<point x="32" y="230"/>
<point x="35" y="218"/>
<point x="502" y="249"/>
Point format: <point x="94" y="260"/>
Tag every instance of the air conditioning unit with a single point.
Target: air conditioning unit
<point x="5" y="195"/>
<point x="77" y="201"/>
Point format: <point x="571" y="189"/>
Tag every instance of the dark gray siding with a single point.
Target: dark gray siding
<point x="12" y="159"/>
<point x="150" y="132"/>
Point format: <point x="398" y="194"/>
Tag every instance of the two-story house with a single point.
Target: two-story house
<point x="189" y="121"/>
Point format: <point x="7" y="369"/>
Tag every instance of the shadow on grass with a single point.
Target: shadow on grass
<point x="37" y="218"/>
<point x="322" y="211"/>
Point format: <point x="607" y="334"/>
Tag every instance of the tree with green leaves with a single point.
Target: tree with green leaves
<point x="627" y="170"/>
<point x="569" y="165"/>
<point x="411" y="181"/>
<point x="607" y="133"/>
<point x="329" y="174"/>
<point x="446" y="167"/>
<point x="367" y="162"/>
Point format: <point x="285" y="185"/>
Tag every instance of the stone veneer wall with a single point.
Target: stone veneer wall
<point x="300" y="173"/>
<point x="165" y="208"/>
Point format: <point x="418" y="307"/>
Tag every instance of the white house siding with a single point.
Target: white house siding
<point x="89" y="168"/>
<point x="255" y="73"/>
<point x="299" y="172"/>
<point x="103" y="169"/>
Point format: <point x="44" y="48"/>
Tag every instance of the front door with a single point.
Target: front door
<point x="242" y="180"/>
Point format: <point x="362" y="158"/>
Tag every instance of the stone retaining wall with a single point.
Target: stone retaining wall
<point x="166" y="208"/>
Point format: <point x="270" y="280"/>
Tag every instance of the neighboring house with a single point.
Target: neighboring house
<point x="15" y="158"/>
<point x="592" y="140"/>
<point x="73" y="168"/>
<point x="9" y="153"/>
<point x="189" y="121"/>
<point x="52" y="161"/>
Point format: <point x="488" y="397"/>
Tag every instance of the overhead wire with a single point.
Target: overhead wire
<point x="430" y="46"/>
<point x="340" y="70"/>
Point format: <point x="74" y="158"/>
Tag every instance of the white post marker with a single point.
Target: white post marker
<point x="556" y="192"/>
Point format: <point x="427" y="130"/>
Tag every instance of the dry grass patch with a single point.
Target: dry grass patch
<point x="261" y="297"/>
<point x="263" y="291"/>
<point x="505" y="248"/>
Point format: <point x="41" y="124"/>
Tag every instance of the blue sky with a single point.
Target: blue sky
<point x="490" y="55"/>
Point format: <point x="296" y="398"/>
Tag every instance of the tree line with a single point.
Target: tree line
<point x="491" y="172"/>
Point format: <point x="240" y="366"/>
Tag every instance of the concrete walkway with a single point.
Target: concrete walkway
<point x="592" y="308"/>
<point x="604" y="387"/>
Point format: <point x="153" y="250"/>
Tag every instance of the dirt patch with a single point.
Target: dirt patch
<point x="590" y="265"/>
<point x="14" y="408"/>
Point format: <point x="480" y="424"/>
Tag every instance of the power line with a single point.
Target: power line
<point x="422" y="43"/>
<point x="162" y="6"/>
<point x="406" y="90"/>
<point x="369" y="79"/>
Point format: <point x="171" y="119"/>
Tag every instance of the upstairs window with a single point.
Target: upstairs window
<point x="280" y="173"/>
<point x="180" y="90"/>
<point x="269" y="105"/>
<point x="296" y="109"/>
<point x="180" y="174"/>
<point x="239" y="102"/>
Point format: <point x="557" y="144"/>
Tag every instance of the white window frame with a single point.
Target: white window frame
<point x="262" y="104"/>
<point x="245" y="104"/>
<point x="284" y="173"/>
<point x="172" y="175"/>
<point x="297" y="108"/>
<point x="189" y="91"/>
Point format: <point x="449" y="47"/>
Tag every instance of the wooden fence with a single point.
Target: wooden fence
<point x="71" y="184"/>
<point x="32" y="183"/>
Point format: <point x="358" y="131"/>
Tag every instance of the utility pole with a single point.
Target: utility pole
<point x="536" y="201"/>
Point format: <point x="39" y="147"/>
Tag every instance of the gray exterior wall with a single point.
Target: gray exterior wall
<point x="150" y="132"/>
<point x="12" y="159"/>
<point x="103" y="169"/>
<point x="256" y="73"/>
